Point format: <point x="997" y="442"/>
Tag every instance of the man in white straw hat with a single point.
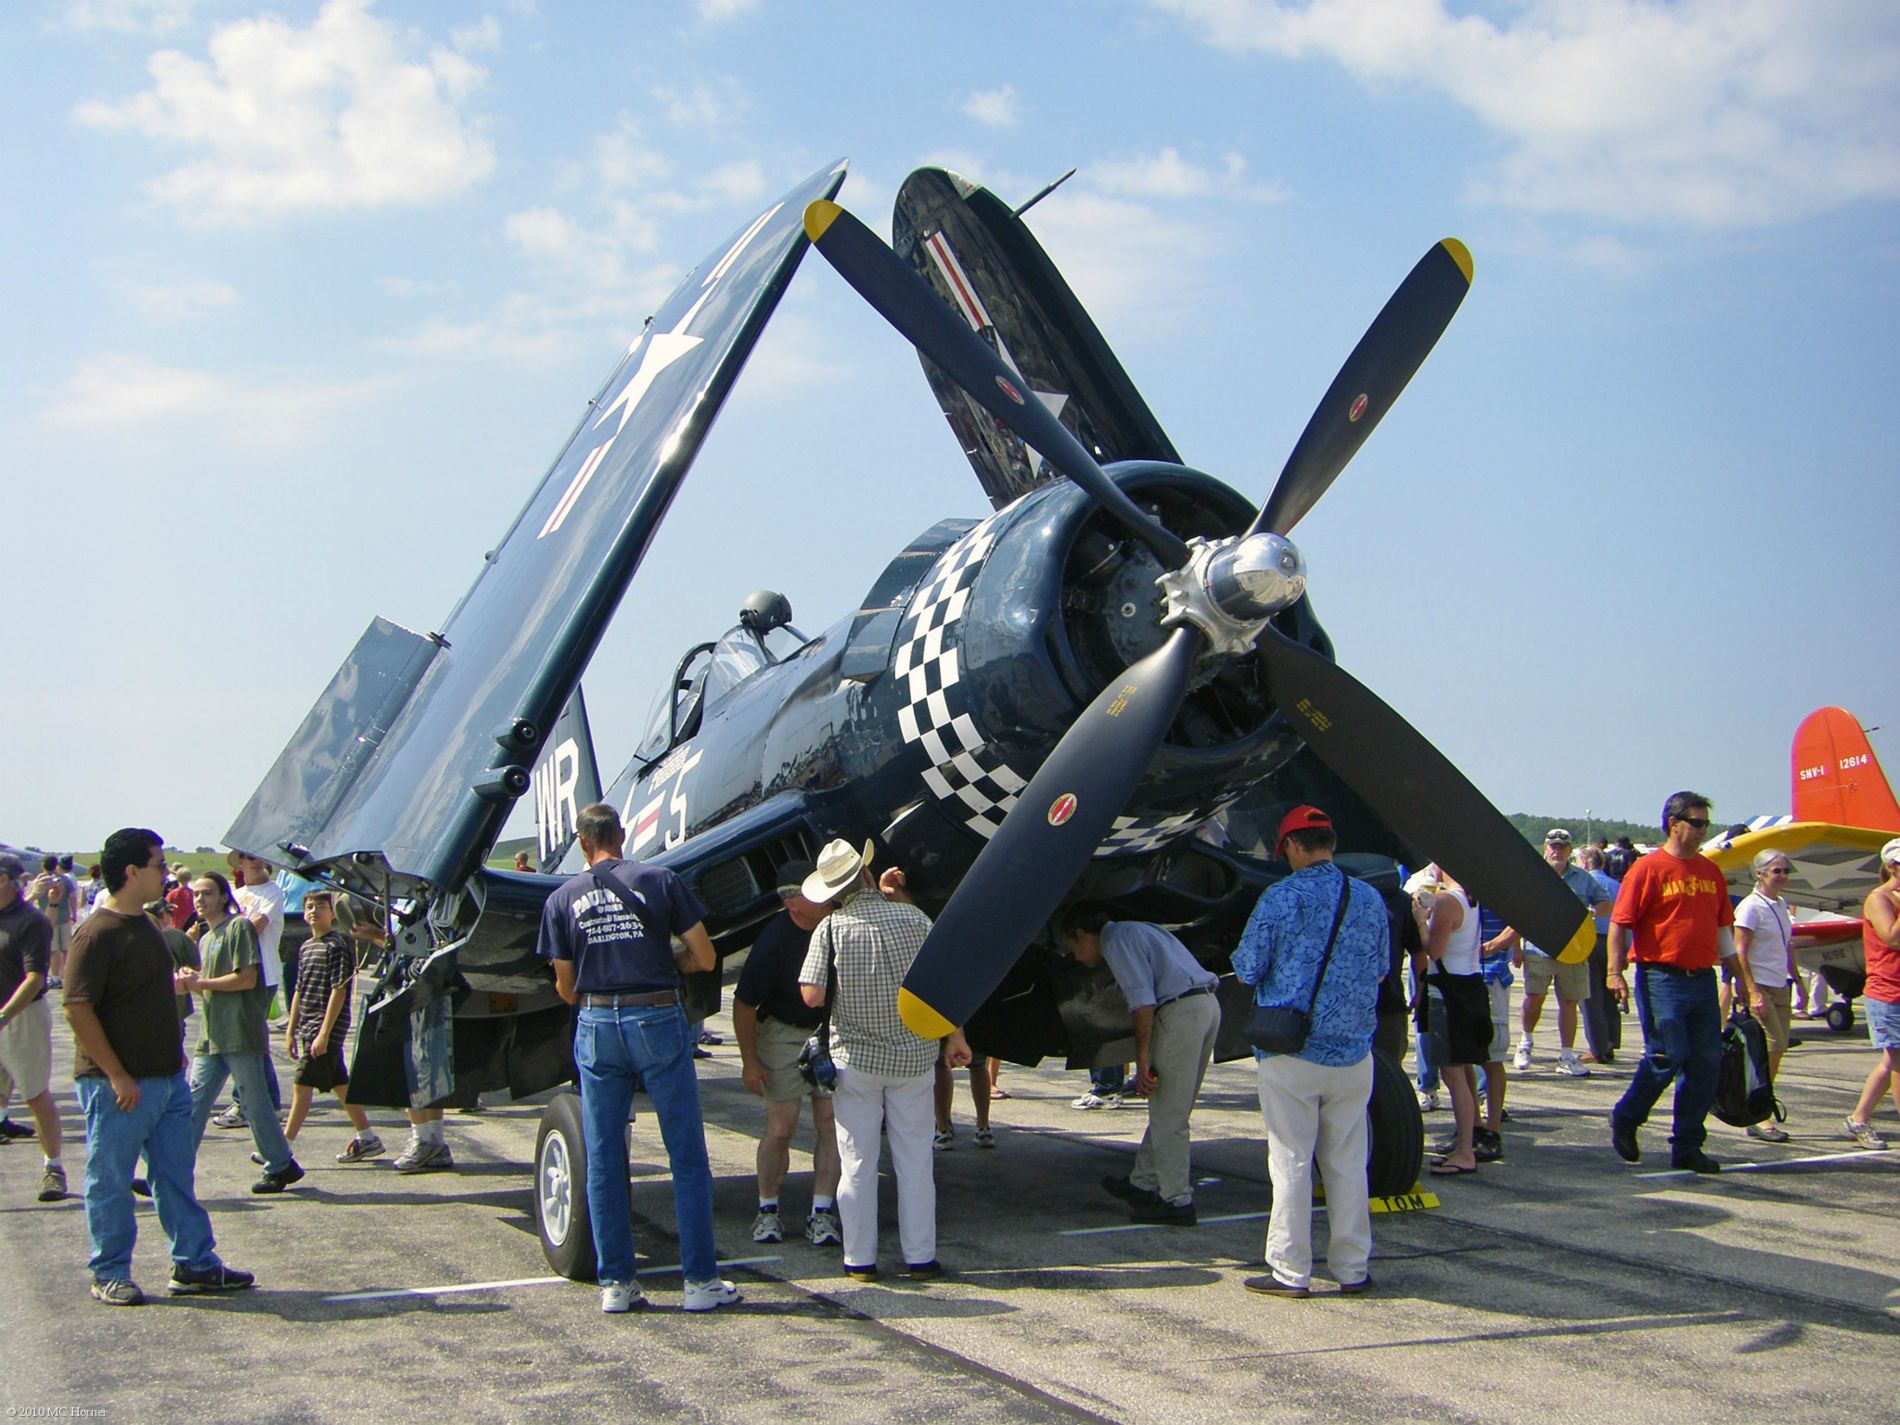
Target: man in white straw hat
<point x="885" y="1072"/>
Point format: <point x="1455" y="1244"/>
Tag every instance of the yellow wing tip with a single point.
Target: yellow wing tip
<point x="1456" y="250"/>
<point x="918" y="1017"/>
<point x="819" y="216"/>
<point x="1581" y="944"/>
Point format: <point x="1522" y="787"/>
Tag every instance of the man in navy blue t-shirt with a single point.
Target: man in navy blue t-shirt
<point x="611" y="932"/>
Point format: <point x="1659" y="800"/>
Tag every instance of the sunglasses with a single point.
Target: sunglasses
<point x="1700" y="823"/>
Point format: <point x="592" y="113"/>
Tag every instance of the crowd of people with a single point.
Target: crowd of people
<point x="816" y="1020"/>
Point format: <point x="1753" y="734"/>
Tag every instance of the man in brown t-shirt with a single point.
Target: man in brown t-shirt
<point x="129" y="1071"/>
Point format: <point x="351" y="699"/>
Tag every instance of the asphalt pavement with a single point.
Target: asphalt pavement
<point x="1557" y="1285"/>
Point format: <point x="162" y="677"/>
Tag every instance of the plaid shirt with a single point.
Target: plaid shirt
<point x="872" y="942"/>
<point x="324" y="962"/>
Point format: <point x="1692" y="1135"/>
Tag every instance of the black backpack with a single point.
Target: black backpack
<point x="1744" y="1093"/>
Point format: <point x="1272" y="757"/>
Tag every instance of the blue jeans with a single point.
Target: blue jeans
<point x="1682" y="1038"/>
<point x="159" y="1125"/>
<point x="611" y="1047"/>
<point x="208" y="1073"/>
<point x="270" y="1083"/>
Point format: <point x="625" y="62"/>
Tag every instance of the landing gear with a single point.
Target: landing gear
<point x="1840" y="1016"/>
<point x="560" y="1190"/>
<point x="1397" y="1148"/>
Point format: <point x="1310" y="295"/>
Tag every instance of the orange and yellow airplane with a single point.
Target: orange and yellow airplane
<point x="1844" y="812"/>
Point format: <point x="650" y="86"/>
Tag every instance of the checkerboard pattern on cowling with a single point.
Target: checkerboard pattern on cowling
<point x="936" y="714"/>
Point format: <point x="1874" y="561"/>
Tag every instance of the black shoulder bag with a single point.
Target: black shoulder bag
<point x="1280" y="1028"/>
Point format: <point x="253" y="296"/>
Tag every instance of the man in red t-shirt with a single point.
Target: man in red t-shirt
<point x="183" y="905"/>
<point x="1673" y="914"/>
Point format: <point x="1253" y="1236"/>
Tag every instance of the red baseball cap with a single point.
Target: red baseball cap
<point x="1301" y="818"/>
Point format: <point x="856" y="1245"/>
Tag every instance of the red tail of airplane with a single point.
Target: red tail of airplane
<point x="1837" y="779"/>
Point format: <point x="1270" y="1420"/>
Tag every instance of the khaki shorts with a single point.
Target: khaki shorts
<point x="1779" y="1015"/>
<point x="779" y="1045"/>
<point x="1573" y="981"/>
<point x="26" y="1049"/>
<point x="1500" y="994"/>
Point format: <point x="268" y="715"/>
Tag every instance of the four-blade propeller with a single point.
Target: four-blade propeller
<point x="1069" y="806"/>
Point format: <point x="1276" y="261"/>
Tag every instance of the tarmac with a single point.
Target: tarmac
<point x="1557" y="1285"/>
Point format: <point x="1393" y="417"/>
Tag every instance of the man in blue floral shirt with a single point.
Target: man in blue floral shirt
<point x="1314" y="1102"/>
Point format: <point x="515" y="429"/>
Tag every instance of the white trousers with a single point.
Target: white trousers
<point x="863" y="1103"/>
<point x="1315" y="1114"/>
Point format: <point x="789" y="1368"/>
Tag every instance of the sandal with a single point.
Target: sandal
<point x="1449" y="1170"/>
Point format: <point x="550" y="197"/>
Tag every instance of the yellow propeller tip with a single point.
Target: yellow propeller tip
<point x="1581" y="944"/>
<point x="918" y="1017"/>
<point x="1458" y="252"/>
<point x="820" y="215"/>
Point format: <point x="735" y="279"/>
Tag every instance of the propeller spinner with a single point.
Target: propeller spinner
<point x="1220" y="596"/>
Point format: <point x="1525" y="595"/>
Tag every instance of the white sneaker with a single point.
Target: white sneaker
<point x="704" y="1296"/>
<point x="943" y="1140"/>
<point x="765" y="1227"/>
<point x="1521" y="1060"/>
<point x="618" y="1297"/>
<point x="821" y="1228"/>
<point x="1569" y="1063"/>
<point x="1865" y="1136"/>
<point x="421" y="1157"/>
<point x="362" y="1146"/>
<point x="1428" y="1101"/>
<point x="1091" y="1099"/>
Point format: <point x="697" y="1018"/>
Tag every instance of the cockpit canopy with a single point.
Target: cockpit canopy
<point x="708" y="672"/>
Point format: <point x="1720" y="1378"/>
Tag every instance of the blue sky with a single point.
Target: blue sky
<point x="300" y="301"/>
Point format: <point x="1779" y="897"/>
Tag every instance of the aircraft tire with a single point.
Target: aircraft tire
<point x="560" y="1190"/>
<point x="1397" y="1147"/>
<point x="1840" y="1017"/>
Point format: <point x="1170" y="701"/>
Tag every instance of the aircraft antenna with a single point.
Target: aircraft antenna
<point x="1044" y="192"/>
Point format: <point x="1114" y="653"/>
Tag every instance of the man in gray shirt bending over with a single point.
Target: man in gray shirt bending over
<point x="1171" y="1000"/>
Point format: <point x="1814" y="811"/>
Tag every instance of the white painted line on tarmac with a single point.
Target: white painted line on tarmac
<point x="1728" y="1168"/>
<point x="415" y="1291"/>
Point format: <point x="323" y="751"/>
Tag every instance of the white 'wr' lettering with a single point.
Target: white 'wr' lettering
<point x="555" y="815"/>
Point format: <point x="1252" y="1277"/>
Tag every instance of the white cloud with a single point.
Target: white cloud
<point x="700" y="107"/>
<point x="539" y="327"/>
<point x="996" y="107"/>
<point x="486" y="35"/>
<point x="1712" y="112"/>
<point x="717" y="11"/>
<point x="623" y="159"/>
<point x="409" y="287"/>
<point x="132" y="17"/>
<point x="323" y="119"/>
<point x="124" y="392"/>
<point x="1134" y="266"/>
<point x="169" y="303"/>
<point x="1168" y="176"/>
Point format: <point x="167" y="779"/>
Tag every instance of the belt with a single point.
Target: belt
<point x="622" y="1001"/>
<point x="1659" y="968"/>
<point x="1186" y="994"/>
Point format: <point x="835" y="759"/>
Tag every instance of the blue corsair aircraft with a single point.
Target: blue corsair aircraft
<point x="1100" y="690"/>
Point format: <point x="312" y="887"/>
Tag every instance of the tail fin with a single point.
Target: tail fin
<point x="1837" y="779"/>
<point x="567" y="779"/>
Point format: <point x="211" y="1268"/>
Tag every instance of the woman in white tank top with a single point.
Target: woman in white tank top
<point x="1458" y="1010"/>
